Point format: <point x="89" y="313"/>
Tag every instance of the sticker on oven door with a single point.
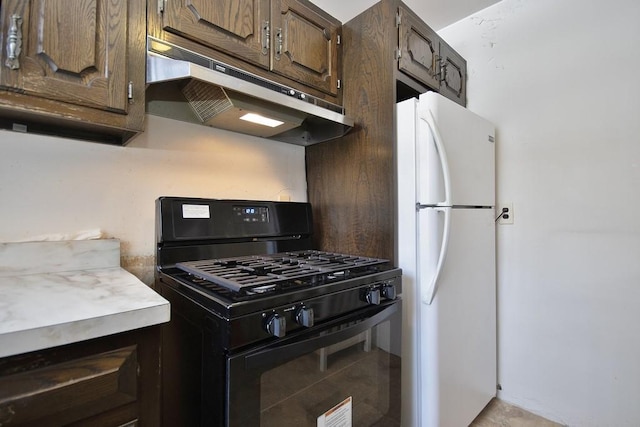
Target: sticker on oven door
<point x="195" y="211"/>
<point x="338" y="416"/>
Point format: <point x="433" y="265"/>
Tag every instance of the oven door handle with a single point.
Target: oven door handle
<point x="286" y="351"/>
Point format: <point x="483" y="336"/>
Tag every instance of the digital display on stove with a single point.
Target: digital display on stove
<point x="251" y="213"/>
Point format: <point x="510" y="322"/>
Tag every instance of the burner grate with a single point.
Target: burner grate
<point x="261" y="273"/>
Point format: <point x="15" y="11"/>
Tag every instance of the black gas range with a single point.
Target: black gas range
<point x="249" y="295"/>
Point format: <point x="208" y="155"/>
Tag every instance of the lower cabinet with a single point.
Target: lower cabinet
<point x="109" y="381"/>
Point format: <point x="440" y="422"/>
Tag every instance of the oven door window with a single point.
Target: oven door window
<point x="343" y="374"/>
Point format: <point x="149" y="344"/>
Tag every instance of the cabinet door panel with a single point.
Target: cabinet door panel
<point x="232" y="26"/>
<point x="454" y="83"/>
<point x="52" y="43"/>
<point x="419" y="49"/>
<point x="305" y="45"/>
<point x="69" y="53"/>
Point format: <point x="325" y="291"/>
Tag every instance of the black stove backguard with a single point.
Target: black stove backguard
<point x="190" y="229"/>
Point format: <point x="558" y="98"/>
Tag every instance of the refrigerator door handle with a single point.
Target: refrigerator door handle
<point x="428" y="118"/>
<point x="433" y="284"/>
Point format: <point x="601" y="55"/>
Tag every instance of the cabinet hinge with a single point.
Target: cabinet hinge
<point x="397" y="53"/>
<point x="130" y="91"/>
<point x="339" y="84"/>
<point x="338" y="40"/>
<point x="398" y="19"/>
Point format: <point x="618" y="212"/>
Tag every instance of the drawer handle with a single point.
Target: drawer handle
<point x="14" y="42"/>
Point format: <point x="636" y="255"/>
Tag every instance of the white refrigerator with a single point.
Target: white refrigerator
<point x="446" y="249"/>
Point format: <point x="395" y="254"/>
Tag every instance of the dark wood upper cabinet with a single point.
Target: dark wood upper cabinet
<point x="419" y="49"/>
<point x="305" y="44"/>
<point x="454" y="74"/>
<point x="426" y="58"/>
<point x="77" y="53"/>
<point x="290" y="38"/>
<point x="65" y="55"/>
<point x="236" y="27"/>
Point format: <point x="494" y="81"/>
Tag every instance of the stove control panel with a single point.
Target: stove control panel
<point x="251" y="213"/>
<point x="282" y="321"/>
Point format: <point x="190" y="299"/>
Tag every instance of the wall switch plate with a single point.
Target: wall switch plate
<point x="505" y="212"/>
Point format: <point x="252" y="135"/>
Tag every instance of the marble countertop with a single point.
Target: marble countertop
<point x="56" y="293"/>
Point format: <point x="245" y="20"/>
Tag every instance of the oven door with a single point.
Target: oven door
<point x="343" y="373"/>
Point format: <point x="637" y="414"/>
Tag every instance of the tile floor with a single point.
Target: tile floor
<point x="501" y="414"/>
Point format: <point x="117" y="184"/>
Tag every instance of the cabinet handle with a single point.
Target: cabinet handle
<point x="14" y="42"/>
<point x="443" y="71"/>
<point x="265" y="37"/>
<point x="440" y="69"/>
<point x="278" y="43"/>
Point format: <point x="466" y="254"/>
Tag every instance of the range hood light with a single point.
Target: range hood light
<point x="261" y="120"/>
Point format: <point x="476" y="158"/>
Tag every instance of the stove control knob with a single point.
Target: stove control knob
<point x="304" y="316"/>
<point x="276" y="325"/>
<point x="389" y="291"/>
<point x="373" y="296"/>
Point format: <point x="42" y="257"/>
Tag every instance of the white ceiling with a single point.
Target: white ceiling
<point x="436" y="13"/>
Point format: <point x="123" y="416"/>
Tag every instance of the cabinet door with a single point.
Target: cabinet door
<point x="419" y="49"/>
<point x="73" y="51"/>
<point x="454" y="82"/>
<point x="236" y="27"/>
<point x="305" y="44"/>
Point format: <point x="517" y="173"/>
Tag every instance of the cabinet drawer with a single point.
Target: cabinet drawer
<point x="70" y="391"/>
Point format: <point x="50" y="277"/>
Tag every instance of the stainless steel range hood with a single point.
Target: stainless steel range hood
<point x="186" y="86"/>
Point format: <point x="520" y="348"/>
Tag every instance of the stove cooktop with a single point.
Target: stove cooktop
<point x="261" y="274"/>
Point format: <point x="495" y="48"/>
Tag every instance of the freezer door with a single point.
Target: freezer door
<point x="457" y="339"/>
<point x="464" y="160"/>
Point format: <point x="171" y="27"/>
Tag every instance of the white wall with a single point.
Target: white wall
<point x="560" y="81"/>
<point x="436" y="13"/>
<point x="58" y="186"/>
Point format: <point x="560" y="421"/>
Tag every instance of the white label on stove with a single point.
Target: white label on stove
<point x="195" y="211"/>
<point x="338" y="416"/>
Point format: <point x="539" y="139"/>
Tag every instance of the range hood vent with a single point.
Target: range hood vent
<point x="184" y="85"/>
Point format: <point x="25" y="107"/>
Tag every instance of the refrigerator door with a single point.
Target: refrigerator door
<point x="456" y="154"/>
<point x="457" y="338"/>
<point x="434" y="231"/>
